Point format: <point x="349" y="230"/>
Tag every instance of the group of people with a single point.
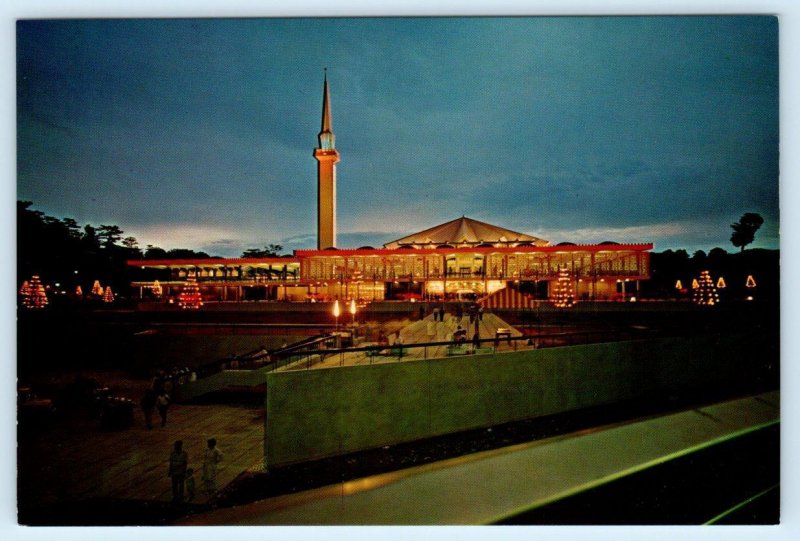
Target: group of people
<point x="475" y="311"/>
<point x="169" y="379"/>
<point x="183" y="482"/>
<point x="157" y="396"/>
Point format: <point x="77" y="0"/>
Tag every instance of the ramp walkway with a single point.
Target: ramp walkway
<point x="420" y="332"/>
<point x="488" y="487"/>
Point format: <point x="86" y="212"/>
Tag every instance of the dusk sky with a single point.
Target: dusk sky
<point x="199" y="133"/>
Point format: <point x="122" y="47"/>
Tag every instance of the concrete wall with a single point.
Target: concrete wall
<point x="327" y="412"/>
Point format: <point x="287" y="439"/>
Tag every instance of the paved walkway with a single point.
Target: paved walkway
<point x="425" y="330"/>
<point x="75" y="460"/>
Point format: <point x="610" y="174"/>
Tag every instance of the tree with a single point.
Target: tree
<point x="72" y="227"/>
<point x="89" y="238"/>
<point x="109" y="235"/>
<point x="130" y="242"/>
<point x="744" y="231"/>
<point x="154" y="252"/>
<point x="270" y="250"/>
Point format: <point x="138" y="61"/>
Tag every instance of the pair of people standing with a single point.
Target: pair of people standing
<point x="183" y="477"/>
<point x="151" y="401"/>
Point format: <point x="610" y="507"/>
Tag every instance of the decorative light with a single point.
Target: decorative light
<point x="695" y="283"/>
<point x="97" y="289"/>
<point x="190" y="298"/>
<point x="353" y="310"/>
<point x="79" y="291"/>
<point x="157" y="290"/>
<point x="751" y="282"/>
<point x="678" y="285"/>
<point x="36" y="297"/>
<point x="563" y="296"/>
<point x="705" y="294"/>
<point x="721" y="283"/>
<point x="25" y="289"/>
<point x="336" y="312"/>
<point x="108" y="296"/>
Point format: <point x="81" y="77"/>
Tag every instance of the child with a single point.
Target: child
<point x="189" y="481"/>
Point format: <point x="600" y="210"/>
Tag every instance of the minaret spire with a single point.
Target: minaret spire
<point x="327" y="140"/>
<point x="327" y="157"/>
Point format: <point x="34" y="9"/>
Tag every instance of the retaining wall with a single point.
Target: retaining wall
<point x="327" y="412"/>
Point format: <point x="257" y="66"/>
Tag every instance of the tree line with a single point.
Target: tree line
<point x="61" y="251"/>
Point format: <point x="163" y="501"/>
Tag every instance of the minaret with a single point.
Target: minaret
<point x="327" y="156"/>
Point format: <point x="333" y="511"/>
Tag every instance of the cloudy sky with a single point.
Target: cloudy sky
<point x="200" y="133"/>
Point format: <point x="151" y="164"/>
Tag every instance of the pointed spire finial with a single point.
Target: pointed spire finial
<point x="326" y="138"/>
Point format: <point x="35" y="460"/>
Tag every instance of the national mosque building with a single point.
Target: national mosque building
<point x="460" y="258"/>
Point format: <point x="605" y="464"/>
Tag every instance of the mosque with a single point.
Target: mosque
<point x="461" y="258"/>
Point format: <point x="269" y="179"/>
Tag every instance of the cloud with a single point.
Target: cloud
<point x="198" y="237"/>
<point x="629" y="234"/>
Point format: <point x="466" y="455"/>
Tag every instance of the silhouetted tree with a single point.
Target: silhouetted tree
<point x="270" y="250"/>
<point x="154" y="252"/>
<point x="109" y="235"/>
<point x="130" y="242"/>
<point x="744" y="231"/>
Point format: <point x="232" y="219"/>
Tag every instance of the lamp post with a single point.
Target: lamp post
<point x="336" y="313"/>
<point x="353" y="311"/>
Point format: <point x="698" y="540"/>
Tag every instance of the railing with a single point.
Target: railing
<point x="525" y="275"/>
<point x="309" y="353"/>
<point x="307" y="359"/>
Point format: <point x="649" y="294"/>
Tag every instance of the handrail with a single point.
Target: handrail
<point x="558" y="339"/>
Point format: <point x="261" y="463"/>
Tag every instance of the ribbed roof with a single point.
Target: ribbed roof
<point x="465" y="230"/>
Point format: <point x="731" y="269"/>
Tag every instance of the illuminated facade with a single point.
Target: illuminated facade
<point x="462" y="258"/>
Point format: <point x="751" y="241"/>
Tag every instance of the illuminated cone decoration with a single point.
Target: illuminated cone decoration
<point x="25" y="290"/>
<point x="108" y="296"/>
<point x="190" y="298"/>
<point x="563" y="296"/>
<point x="36" y="297"/>
<point x="751" y="282"/>
<point x="157" y="291"/>
<point x="706" y="293"/>
<point x="79" y="291"/>
<point x="97" y="289"/>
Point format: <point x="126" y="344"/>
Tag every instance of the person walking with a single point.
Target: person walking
<point x="211" y="458"/>
<point x="162" y="403"/>
<point x="476" y="341"/>
<point x="148" y="404"/>
<point x="178" y="460"/>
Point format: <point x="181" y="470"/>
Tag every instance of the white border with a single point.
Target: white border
<point x="789" y="28"/>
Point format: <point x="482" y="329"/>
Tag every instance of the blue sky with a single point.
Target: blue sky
<point x="199" y="133"/>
